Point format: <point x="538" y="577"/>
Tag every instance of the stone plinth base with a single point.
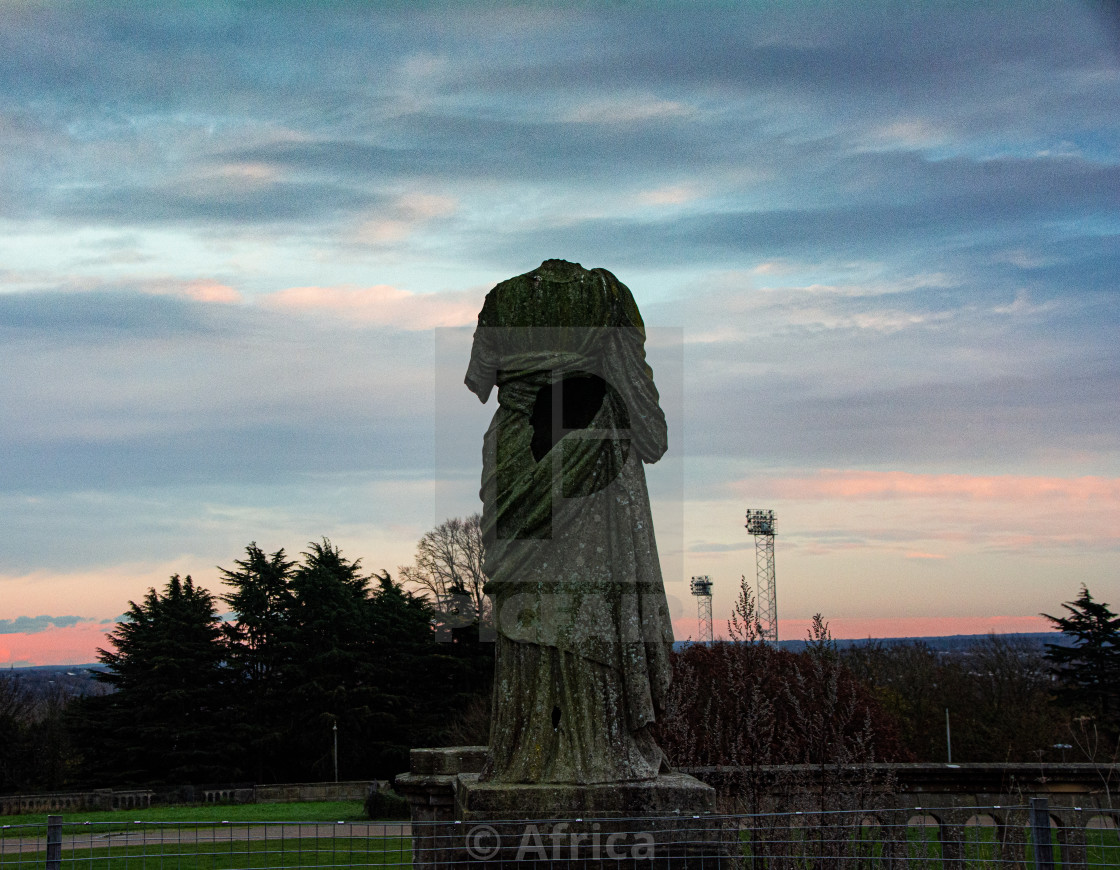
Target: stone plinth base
<point x="429" y="786"/>
<point x="670" y="794"/>
<point x="458" y="822"/>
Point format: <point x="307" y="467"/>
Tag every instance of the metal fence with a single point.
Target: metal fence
<point x="218" y="845"/>
<point x="902" y="838"/>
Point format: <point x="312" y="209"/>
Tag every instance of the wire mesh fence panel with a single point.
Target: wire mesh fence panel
<point x="186" y="846"/>
<point x="946" y="838"/>
<point x="698" y="841"/>
<point x="802" y="841"/>
<point x="1102" y="841"/>
<point x="23" y="845"/>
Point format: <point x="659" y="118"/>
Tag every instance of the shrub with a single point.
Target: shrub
<point x="386" y="805"/>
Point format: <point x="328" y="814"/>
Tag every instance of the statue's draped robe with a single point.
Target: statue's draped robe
<point x="583" y="628"/>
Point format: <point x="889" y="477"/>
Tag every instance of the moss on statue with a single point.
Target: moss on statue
<point x="579" y="605"/>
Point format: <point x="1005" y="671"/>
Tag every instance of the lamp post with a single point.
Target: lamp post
<point x="334" y="729"/>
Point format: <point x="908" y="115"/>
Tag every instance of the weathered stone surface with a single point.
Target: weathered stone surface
<point x="583" y="627"/>
<point x="430" y="798"/>
<point x="447" y="760"/>
<point x="664" y="823"/>
<point x="667" y="795"/>
<point x="431" y="784"/>
<point x="930" y="784"/>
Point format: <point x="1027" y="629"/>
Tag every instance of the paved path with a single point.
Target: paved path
<point x="76" y="836"/>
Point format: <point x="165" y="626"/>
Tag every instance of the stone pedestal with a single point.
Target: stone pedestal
<point x="667" y="823"/>
<point x="430" y="785"/>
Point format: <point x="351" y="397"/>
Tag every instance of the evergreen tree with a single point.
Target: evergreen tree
<point x="319" y="644"/>
<point x="315" y="645"/>
<point x="1089" y="669"/>
<point x="412" y="674"/>
<point x="326" y="673"/>
<point x="258" y="642"/>
<point x="262" y="599"/>
<point x="425" y="686"/>
<point x="166" y="721"/>
<point x="365" y="659"/>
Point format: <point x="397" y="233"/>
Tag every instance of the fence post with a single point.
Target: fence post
<point x="54" y="842"/>
<point x="950" y="830"/>
<point x="1071" y="838"/>
<point x="1040" y="834"/>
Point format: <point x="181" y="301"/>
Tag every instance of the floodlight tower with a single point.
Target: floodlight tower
<point x="702" y="588"/>
<point x="760" y="523"/>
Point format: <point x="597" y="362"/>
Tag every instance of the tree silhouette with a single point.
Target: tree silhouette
<point x="448" y="569"/>
<point x="258" y="642"/>
<point x="1089" y="670"/>
<point x="167" y="719"/>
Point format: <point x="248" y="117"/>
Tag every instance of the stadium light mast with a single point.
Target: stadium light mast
<point x="760" y="523"/>
<point x="702" y="588"/>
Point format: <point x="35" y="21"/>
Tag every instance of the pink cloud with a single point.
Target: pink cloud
<point x="383" y="305"/>
<point x="211" y="291"/>
<point x="201" y="290"/>
<point x="834" y="484"/>
<point x="73" y="645"/>
<point x="906" y="511"/>
<point x="403" y="217"/>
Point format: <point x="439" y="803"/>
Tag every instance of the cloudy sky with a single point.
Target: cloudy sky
<point x="878" y="246"/>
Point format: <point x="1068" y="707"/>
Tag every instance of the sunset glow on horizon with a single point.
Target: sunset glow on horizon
<point x="78" y="644"/>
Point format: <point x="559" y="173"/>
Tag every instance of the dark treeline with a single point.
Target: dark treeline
<point x="991" y="702"/>
<point x="314" y="643"/>
<point x="746" y="702"/>
<point x="35" y="741"/>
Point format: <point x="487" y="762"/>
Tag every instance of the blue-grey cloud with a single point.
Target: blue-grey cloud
<point x="787" y="90"/>
<point x="243" y="395"/>
<point x="914" y="203"/>
<point x="319" y="443"/>
<point x="210" y="202"/>
<point x="98" y="314"/>
<point x="711" y="547"/>
<point x="443" y="146"/>
<point x="832" y="416"/>
<point x="36" y="624"/>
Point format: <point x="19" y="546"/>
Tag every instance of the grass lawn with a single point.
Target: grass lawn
<point x="212" y="851"/>
<point x="1102" y="847"/>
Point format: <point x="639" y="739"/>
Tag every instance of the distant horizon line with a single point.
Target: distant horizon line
<point x="15" y="666"/>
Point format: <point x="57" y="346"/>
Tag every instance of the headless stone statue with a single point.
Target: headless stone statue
<point x="583" y="630"/>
